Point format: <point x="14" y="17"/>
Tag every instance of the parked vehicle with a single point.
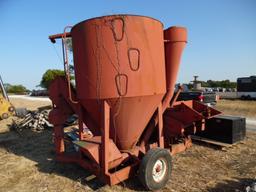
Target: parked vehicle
<point x="207" y="89"/>
<point x="6" y="108"/>
<point x="246" y="87"/>
<point x="39" y="93"/>
<point x="209" y="98"/>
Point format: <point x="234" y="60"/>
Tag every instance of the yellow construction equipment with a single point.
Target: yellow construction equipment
<point x="6" y="108"/>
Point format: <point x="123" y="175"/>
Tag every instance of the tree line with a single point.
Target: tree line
<point x="50" y="74"/>
<point x="224" y="84"/>
<point x="17" y="89"/>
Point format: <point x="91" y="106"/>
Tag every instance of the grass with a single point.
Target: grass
<point x="238" y="108"/>
<point x="27" y="164"/>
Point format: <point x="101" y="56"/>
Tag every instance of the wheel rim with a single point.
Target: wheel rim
<point x="11" y="109"/>
<point x="159" y="170"/>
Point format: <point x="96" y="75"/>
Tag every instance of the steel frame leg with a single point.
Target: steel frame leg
<point x="105" y="137"/>
<point x="160" y="127"/>
<point x="59" y="139"/>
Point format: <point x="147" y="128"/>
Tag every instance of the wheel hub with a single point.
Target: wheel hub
<point x="159" y="170"/>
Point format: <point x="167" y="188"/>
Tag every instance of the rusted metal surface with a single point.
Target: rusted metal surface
<point x="176" y="95"/>
<point x="177" y="148"/>
<point x="122" y="67"/>
<point x="176" y="39"/>
<point x="186" y="117"/>
<point x="58" y="36"/>
<point x="91" y="147"/>
<point x="105" y="138"/>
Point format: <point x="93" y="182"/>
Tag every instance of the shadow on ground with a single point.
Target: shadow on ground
<point x="39" y="148"/>
<point x="236" y="185"/>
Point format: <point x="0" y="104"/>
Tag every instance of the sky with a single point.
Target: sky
<point x="221" y="34"/>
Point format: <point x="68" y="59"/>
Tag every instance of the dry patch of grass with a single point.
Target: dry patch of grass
<point x="27" y="164"/>
<point x="29" y="104"/>
<point x="238" y="108"/>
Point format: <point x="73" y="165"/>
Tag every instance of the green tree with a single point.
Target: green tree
<point x="224" y="83"/>
<point x="18" y="89"/>
<point x="212" y="83"/>
<point x="204" y="84"/>
<point x="50" y="75"/>
<point x="7" y="86"/>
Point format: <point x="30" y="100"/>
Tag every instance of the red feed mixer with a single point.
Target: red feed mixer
<point x="125" y="71"/>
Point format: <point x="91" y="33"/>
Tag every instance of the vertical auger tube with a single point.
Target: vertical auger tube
<point x="175" y="42"/>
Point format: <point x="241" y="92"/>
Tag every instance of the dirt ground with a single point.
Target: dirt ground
<point x="27" y="164"/>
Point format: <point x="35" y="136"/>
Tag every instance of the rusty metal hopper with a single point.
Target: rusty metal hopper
<point x="120" y="59"/>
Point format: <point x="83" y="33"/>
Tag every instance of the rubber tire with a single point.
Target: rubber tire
<point x="4" y="116"/>
<point x="146" y="166"/>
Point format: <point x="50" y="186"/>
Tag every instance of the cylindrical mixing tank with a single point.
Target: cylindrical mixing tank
<point x="120" y="59"/>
